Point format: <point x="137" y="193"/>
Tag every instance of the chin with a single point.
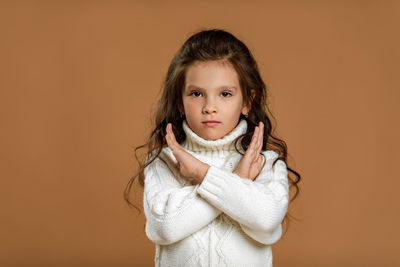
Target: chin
<point x="212" y="137"/>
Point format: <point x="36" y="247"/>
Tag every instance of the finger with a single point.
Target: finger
<point x="255" y="167"/>
<point x="253" y="140"/>
<point x="170" y="133"/>
<point x="260" y="138"/>
<point x="258" y="133"/>
<point x="250" y="149"/>
<point x="172" y="136"/>
<point x="261" y="131"/>
<point x="259" y="164"/>
<point x="257" y="143"/>
<point x="257" y="158"/>
<point x="260" y="159"/>
<point x="169" y="137"/>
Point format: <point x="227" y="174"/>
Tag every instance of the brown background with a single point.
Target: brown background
<point x="78" y="82"/>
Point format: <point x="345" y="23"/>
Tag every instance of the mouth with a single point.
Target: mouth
<point x="211" y="123"/>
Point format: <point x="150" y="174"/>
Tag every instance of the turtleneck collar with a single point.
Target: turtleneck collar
<point x="223" y="145"/>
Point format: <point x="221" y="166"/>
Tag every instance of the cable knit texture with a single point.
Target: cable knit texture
<point x="224" y="221"/>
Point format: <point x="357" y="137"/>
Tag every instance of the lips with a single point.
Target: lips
<point x="211" y="123"/>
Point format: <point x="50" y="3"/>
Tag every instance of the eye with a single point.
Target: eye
<point x="226" y="94"/>
<point x="195" y="93"/>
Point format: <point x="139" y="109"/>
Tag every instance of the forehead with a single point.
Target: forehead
<point x="211" y="75"/>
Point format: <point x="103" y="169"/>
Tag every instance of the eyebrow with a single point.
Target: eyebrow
<point x="220" y="87"/>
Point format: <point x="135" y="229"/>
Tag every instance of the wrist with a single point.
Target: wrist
<point x="241" y="175"/>
<point x="202" y="171"/>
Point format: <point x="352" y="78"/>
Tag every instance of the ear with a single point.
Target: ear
<point x="247" y="107"/>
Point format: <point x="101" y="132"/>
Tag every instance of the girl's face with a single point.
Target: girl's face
<point x="212" y="99"/>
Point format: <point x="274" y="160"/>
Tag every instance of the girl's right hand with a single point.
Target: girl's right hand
<point x="190" y="167"/>
<point x="250" y="164"/>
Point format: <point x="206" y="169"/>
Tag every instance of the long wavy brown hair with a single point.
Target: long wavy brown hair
<point x="207" y="45"/>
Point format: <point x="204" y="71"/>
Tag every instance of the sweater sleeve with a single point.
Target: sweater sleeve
<point x="259" y="206"/>
<point x="172" y="211"/>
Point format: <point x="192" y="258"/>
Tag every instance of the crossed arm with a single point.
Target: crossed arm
<point x="174" y="212"/>
<point x="190" y="167"/>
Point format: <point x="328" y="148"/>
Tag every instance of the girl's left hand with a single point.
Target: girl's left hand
<point x="250" y="164"/>
<point x="189" y="166"/>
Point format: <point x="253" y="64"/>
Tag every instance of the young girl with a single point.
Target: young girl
<point x="216" y="184"/>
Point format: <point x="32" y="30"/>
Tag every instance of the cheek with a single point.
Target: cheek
<point x="236" y="107"/>
<point x="191" y="106"/>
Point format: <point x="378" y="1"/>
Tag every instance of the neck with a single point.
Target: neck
<point x="222" y="146"/>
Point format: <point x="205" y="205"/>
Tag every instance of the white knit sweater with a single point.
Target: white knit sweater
<point x="224" y="221"/>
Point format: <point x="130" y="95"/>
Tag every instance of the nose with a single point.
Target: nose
<point x="209" y="107"/>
